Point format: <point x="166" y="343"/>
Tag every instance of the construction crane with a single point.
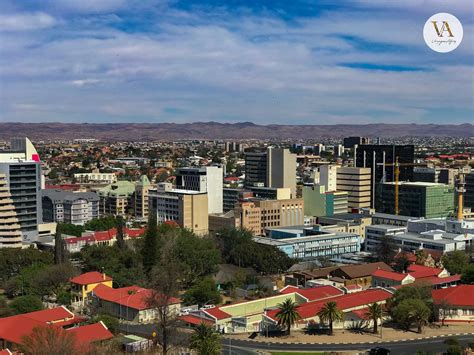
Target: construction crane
<point x="460" y="188"/>
<point x="396" y="174"/>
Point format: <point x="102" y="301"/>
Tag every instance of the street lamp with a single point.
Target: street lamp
<point x="128" y="299"/>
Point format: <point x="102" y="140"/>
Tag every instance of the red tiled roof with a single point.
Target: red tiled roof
<point x="194" y="320"/>
<point x="89" y="238"/>
<point x="389" y="275"/>
<point x="217" y="313"/>
<point x="5" y="352"/>
<point x="90" y="278"/>
<point x="314" y="293"/>
<point x="344" y="302"/>
<point x="49" y="315"/>
<point x="15" y="327"/>
<point x="90" y="333"/>
<point x="132" y="233"/>
<point x="105" y="235"/>
<point x="420" y="271"/>
<point x="353" y="287"/>
<point x="462" y="295"/>
<point x="133" y="296"/>
<point x="434" y="280"/>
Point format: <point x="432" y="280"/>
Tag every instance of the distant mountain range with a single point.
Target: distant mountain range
<point x="215" y="130"/>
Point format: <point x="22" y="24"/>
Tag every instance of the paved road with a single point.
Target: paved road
<point x="400" y="348"/>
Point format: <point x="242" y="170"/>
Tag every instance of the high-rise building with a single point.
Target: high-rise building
<point x="141" y="197"/>
<point x="357" y="183"/>
<point x="469" y="194"/>
<point x="381" y="160"/>
<point x="232" y="196"/>
<point x="187" y="208"/>
<point x="416" y="199"/>
<point x="207" y="179"/>
<point x="10" y="229"/>
<point x="272" y="167"/>
<point x="22" y="170"/>
<point x="328" y="177"/>
<point x="434" y="174"/>
<point x="69" y="207"/>
<point x="338" y="150"/>
<point x="351" y="142"/>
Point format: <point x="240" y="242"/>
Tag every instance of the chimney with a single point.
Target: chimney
<point x="104" y="276"/>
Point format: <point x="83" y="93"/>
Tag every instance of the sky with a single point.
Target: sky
<point x="262" y="61"/>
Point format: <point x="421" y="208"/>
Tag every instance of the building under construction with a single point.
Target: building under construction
<point x="416" y="199"/>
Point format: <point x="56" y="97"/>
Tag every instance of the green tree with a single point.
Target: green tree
<point x="64" y="298"/>
<point x="111" y="322"/>
<point x="13" y="261"/>
<point x="411" y="311"/>
<point x="420" y="314"/>
<point x="374" y="312"/>
<point x="401" y="263"/>
<point x="414" y="291"/>
<point x="455" y="261"/>
<point x="205" y="341"/>
<point x="287" y="314"/>
<point x="101" y="224"/>
<point x="69" y="229"/>
<point x="150" y="244"/>
<point x="467" y="276"/>
<point x="203" y="292"/>
<point x="120" y="234"/>
<point x="60" y="251"/>
<point x="5" y="311"/>
<point x="330" y="313"/>
<point x="198" y="254"/>
<point x="25" y="304"/>
<point x="386" y="250"/>
<point x="238" y="248"/>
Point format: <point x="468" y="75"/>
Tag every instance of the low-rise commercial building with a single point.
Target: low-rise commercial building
<point x="306" y="243"/>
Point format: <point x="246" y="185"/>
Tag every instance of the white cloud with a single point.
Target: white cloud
<point x="26" y="21"/>
<point x="83" y="82"/>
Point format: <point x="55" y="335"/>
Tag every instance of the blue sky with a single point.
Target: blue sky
<point x="271" y="61"/>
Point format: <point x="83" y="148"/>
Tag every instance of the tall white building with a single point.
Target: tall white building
<point x="206" y="179"/>
<point x="22" y="170"/>
<point x="328" y="177"/>
<point x="10" y="232"/>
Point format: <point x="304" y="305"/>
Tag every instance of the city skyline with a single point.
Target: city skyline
<point x="266" y="62"/>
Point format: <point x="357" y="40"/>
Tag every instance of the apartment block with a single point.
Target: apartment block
<point x="140" y="198"/>
<point x="357" y="183"/>
<point x="20" y="166"/>
<point x="62" y="206"/>
<point x="328" y="177"/>
<point x="116" y="198"/>
<point x="10" y="229"/>
<point x="280" y="213"/>
<point x="185" y="207"/>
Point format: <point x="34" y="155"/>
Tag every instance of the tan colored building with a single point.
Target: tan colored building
<point x="357" y="183"/>
<point x="140" y="198"/>
<point x="116" y="198"/>
<point x="280" y="213"/>
<point x="189" y="209"/>
<point x="10" y="230"/>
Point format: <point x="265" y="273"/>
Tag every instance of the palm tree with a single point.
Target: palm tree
<point x="374" y="312"/>
<point x="420" y="315"/>
<point x="205" y="340"/>
<point x="287" y="314"/>
<point x="330" y="313"/>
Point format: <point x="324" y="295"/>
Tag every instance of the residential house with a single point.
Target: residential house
<point x="83" y="285"/>
<point x="133" y="303"/>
